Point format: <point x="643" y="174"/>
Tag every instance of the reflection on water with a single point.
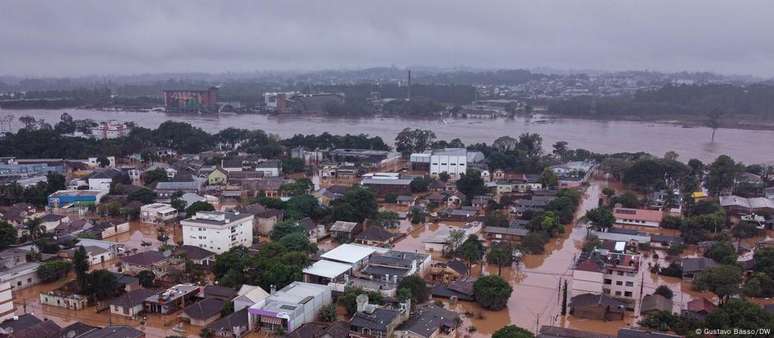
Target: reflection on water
<point x="749" y="146"/>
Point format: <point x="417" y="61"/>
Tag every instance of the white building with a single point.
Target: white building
<point x="289" y="308"/>
<point x="453" y="161"/>
<point x="218" y="231"/>
<point x="6" y="302"/>
<point x="157" y="213"/>
<point x="110" y="130"/>
<point x="610" y="273"/>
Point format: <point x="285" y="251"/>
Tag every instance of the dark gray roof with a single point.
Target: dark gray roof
<point x="194" y="252"/>
<point x="428" y="319"/>
<point x="561" y="332"/>
<point x="378" y="320"/>
<point x="75" y="329"/>
<point x="656" y="303"/>
<point x="337" y="329"/>
<point x="125" y="279"/>
<point x="507" y="231"/>
<point x="697" y="264"/>
<point x="587" y="299"/>
<point x="146" y="258"/>
<point x="227" y="323"/>
<point x="22" y="321"/>
<point x="133" y="298"/>
<point x="633" y="333"/>
<point x="204" y="309"/>
<point x="44" y="329"/>
<point x="217" y="291"/>
<point x="114" y="332"/>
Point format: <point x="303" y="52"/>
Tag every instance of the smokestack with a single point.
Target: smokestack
<point x="408" y="98"/>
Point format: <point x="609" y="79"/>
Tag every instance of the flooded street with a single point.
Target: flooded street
<point x="749" y="146"/>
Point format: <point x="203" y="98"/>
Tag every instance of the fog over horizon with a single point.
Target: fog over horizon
<point x="80" y="38"/>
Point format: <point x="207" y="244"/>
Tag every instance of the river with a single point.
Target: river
<point x="749" y="146"/>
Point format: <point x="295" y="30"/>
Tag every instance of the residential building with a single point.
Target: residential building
<point x="16" y="270"/>
<point x="383" y="186"/>
<point x="249" y="295"/>
<point x="157" y="213"/>
<point x="324" y="272"/>
<point x="430" y="321"/>
<point x="131" y="303"/>
<point x="154" y="261"/>
<point x="269" y="168"/>
<point x="7" y="308"/>
<point x="376" y="235"/>
<point x="218" y="231"/>
<point x="597" y="307"/>
<point x="616" y="274"/>
<point x="561" y="332"/>
<point x="337" y="329"/>
<point x="503" y="234"/>
<point x="110" y="130"/>
<point x="745" y="206"/>
<point x="218" y="176"/>
<point x="655" y="303"/>
<point x="355" y="255"/>
<point x="638" y="217"/>
<point x="110" y="228"/>
<point x="693" y="265"/>
<point x="196" y="254"/>
<point x="375" y="321"/>
<point x="165" y="190"/>
<point x="289" y="308"/>
<point x="699" y="308"/>
<point x="172" y="299"/>
<point x="345" y="231"/>
<point x="203" y="312"/>
<point x="65" y="299"/>
<point x="49" y="222"/>
<point x="29" y="326"/>
<point x="234" y="325"/>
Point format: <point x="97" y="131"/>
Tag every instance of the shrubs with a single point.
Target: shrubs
<point x="53" y="271"/>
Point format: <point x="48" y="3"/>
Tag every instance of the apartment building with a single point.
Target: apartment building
<point x="613" y="273"/>
<point x="218" y="231"/>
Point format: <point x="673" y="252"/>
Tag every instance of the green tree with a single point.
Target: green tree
<point x="143" y="195"/>
<point x="721" y="280"/>
<point x="759" y="285"/>
<point x="601" y="217"/>
<point x="722" y="174"/>
<point x="81" y="267"/>
<point x="286" y="227"/>
<point x="512" y="331"/>
<point x="147" y="278"/>
<point x="500" y="254"/>
<point x="722" y="252"/>
<point x="420" y="184"/>
<point x="413" y="140"/>
<point x="472" y="250"/>
<point x="417" y="287"/>
<point x="356" y="205"/>
<point x="548" y="179"/>
<point x="739" y="314"/>
<point x="665" y="291"/>
<point x="34" y="228"/>
<point x="293" y="165"/>
<point x="298" y="241"/>
<point x="197" y="207"/>
<point x="53" y="270"/>
<point x="764" y="261"/>
<point x="417" y="216"/>
<point x="8" y="235"/>
<point x="156" y="175"/>
<point x="390" y="198"/>
<point x="328" y="313"/>
<point x="492" y="292"/>
<point x="388" y="219"/>
<point x="102" y="284"/>
<point x="55" y="182"/>
<point x="471" y="184"/>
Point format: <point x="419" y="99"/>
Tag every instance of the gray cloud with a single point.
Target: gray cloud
<point x="44" y="38"/>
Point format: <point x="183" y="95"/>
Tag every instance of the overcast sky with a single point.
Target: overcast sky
<point x="57" y="38"/>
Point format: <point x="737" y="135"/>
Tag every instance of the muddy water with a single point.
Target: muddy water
<point x="148" y="233"/>
<point x="750" y="146"/>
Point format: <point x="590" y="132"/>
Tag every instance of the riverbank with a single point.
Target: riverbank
<point x="740" y="123"/>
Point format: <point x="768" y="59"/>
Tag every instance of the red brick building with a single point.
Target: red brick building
<point x="191" y="99"/>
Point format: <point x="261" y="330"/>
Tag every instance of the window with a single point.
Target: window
<point x="628" y="294"/>
<point x="618" y="293"/>
<point x="618" y="282"/>
<point x="629" y="283"/>
<point x="608" y="281"/>
<point x="620" y="273"/>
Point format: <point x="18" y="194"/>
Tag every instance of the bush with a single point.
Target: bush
<point x="512" y="331"/>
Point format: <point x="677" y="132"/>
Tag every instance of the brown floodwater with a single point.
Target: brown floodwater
<point x="749" y="146"/>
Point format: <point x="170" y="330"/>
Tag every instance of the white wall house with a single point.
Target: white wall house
<point x="453" y="161"/>
<point x="218" y="231"/>
<point x="157" y="213"/>
<point x="6" y="302"/>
